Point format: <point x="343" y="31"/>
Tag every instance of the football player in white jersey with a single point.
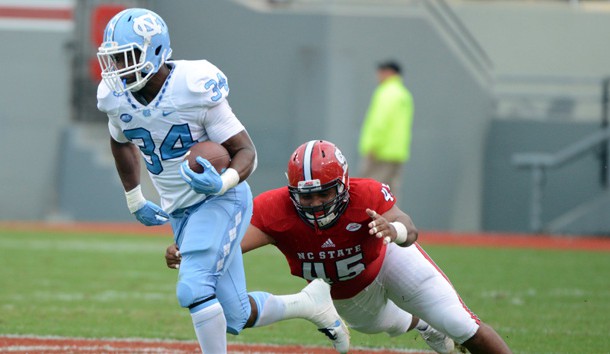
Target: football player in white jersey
<point x="159" y="109"/>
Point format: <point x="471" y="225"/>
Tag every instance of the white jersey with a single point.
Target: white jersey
<point x="190" y="107"/>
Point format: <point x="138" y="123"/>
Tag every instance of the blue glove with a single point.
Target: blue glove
<point x="208" y="182"/>
<point x="151" y="214"/>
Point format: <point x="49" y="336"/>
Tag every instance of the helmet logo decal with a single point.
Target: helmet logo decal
<point x="340" y="158"/>
<point x="147" y="26"/>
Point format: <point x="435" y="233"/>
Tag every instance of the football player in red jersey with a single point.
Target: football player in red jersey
<point x="351" y="234"/>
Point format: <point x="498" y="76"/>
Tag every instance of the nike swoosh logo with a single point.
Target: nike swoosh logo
<point x="167" y="113"/>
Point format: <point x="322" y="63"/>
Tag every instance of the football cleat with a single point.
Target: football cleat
<point x="325" y="316"/>
<point x="438" y="341"/>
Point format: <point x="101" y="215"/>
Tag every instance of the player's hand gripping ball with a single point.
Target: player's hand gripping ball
<point x="204" y="162"/>
<point x="215" y="153"/>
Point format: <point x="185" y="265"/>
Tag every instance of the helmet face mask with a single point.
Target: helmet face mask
<point x="123" y="66"/>
<point x="323" y="215"/>
<point x="136" y="44"/>
<point x="317" y="170"/>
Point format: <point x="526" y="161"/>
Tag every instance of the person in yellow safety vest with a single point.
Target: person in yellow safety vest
<point x="385" y="137"/>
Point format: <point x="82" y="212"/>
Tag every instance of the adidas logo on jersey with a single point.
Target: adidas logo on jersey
<point x="328" y="243"/>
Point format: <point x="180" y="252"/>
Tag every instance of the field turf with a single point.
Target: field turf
<point x="115" y="285"/>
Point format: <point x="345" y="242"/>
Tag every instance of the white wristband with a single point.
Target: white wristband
<point x="135" y="199"/>
<point x="401" y="232"/>
<point x="230" y="178"/>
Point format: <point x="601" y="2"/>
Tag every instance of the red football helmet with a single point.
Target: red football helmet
<point x="315" y="167"/>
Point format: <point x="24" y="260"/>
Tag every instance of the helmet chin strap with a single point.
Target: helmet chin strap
<point x="327" y="219"/>
<point x="141" y="81"/>
<point x="140" y="85"/>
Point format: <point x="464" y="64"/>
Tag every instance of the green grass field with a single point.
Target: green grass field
<point x="116" y="286"/>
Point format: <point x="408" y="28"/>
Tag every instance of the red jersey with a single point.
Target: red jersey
<point x="344" y="255"/>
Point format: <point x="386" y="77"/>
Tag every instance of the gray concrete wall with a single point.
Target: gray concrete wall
<point x="34" y="108"/>
<point x="294" y="77"/>
<point x="276" y="68"/>
<point x="541" y="37"/>
<point x="507" y="201"/>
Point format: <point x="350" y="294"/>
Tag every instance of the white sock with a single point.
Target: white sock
<point x="275" y="308"/>
<point x="422" y="325"/>
<point x="210" y="327"/>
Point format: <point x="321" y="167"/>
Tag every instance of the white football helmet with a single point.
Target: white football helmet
<point x="135" y="45"/>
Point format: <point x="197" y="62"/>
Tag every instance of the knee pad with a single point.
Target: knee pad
<point x="459" y="324"/>
<point x="187" y="297"/>
<point x="184" y="294"/>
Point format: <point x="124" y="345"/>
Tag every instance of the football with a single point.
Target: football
<point x="215" y="153"/>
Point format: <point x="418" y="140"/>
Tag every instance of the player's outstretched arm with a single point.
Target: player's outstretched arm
<point x="253" y="239"/>
<point x="393" y="226"/>
<point x="172" y="256"/>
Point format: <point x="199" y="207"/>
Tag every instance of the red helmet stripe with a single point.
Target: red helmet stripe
<point x="307" y="160"/>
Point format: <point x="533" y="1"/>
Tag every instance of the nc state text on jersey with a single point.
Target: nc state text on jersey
<point x="330" y="254"/>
